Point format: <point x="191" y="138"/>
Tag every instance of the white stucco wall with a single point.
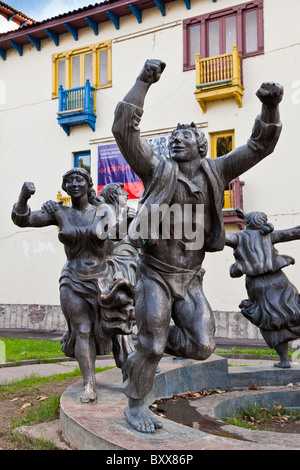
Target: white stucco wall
<point x="34" y="148"/>
<point x="273" y="185"/>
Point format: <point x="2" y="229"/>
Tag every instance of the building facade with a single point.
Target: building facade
<point x="60" y="81"/>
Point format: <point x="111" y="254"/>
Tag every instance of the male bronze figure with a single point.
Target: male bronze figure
<point x="169" y="272"/>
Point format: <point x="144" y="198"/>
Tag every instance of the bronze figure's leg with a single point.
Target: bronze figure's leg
<point x="153" y="311"/>
<point x="76" y="311"/>
<point x="192" y="336"/>
<point x="282" y="350"/>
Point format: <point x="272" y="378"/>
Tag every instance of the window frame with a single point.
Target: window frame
<point x="203" y="20"/>
<point x="222" y="33"/>
<point x="213" y="143"/>
<point x="81" y="52"/>
<point x="83" y="153"/>
<point x="213" y="140"/>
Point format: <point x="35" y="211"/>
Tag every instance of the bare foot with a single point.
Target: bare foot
<point x="283" y="364"/>
<point x="88" y="395"/>
<point x="142" y="419"/>
<point x="282" y="351"/>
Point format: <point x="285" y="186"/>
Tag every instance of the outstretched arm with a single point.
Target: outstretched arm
<point x="137" y="152"/>
<point x="22" y="215"/>
<point x="265" y="135"/>
<point x="287" y="235"/>
<point x="231" y="239"/>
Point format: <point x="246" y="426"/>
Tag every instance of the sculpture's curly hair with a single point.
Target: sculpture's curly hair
<point x="256" y="221"/>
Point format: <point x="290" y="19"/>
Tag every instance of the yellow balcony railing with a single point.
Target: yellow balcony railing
<point x="233" y="198"/>
<point x="66" y="200"/>
<point x="219" y="78"/>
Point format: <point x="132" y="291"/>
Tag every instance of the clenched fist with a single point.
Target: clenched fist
<point x="270" y="93"/>
<point x="28" y="189"/>
<point x="152" y="71"/>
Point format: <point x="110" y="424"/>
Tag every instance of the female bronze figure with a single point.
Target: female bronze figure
<point x="96" y="299"/>
<point x="274" y="303"/>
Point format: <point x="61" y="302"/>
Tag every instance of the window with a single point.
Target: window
<point x="83" y="160"/>
<point x="221" y="143"/>
<point x="72" y="68"/>
<point x="216" y="33"/>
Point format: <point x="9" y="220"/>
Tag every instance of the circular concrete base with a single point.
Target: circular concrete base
<point x="102" y="424"/>
<point x="216" y="407"/>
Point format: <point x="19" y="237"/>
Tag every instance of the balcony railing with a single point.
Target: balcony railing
<point x="66" y="200"/>
<point x="219" y="78"/>
<point x="76" y="106"/>
<point x="233" y="198"/>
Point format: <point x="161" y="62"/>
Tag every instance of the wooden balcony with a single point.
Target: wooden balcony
<point x="219" y="78"/>
<point x="76" y="106"/>
<point x="233" y="198"/>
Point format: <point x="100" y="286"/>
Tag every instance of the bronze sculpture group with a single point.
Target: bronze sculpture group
<point x="112" y="281"/>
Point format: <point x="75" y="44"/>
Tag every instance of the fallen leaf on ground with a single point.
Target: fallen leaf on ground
<point x="253" y="387"/>
<point x="193" y="394"/>
<point x="41" y="398"/>
<point x="265" y="410"/>
<point x="24" y="407"/>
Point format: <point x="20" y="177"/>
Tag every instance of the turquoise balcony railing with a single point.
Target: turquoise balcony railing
<point x="76" y="106"/>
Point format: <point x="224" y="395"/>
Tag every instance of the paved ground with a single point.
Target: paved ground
<point x="30" y="334"/>
<point x="8" y="374"/>
<point x="43" y="370"/>
<point x="64" y="366"/>
<point x="56" y="335"/>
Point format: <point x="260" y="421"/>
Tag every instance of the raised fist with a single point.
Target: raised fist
<point x="152" y="71"/>
<point x="28" y="189"/>
<point x="270" y="93"/>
